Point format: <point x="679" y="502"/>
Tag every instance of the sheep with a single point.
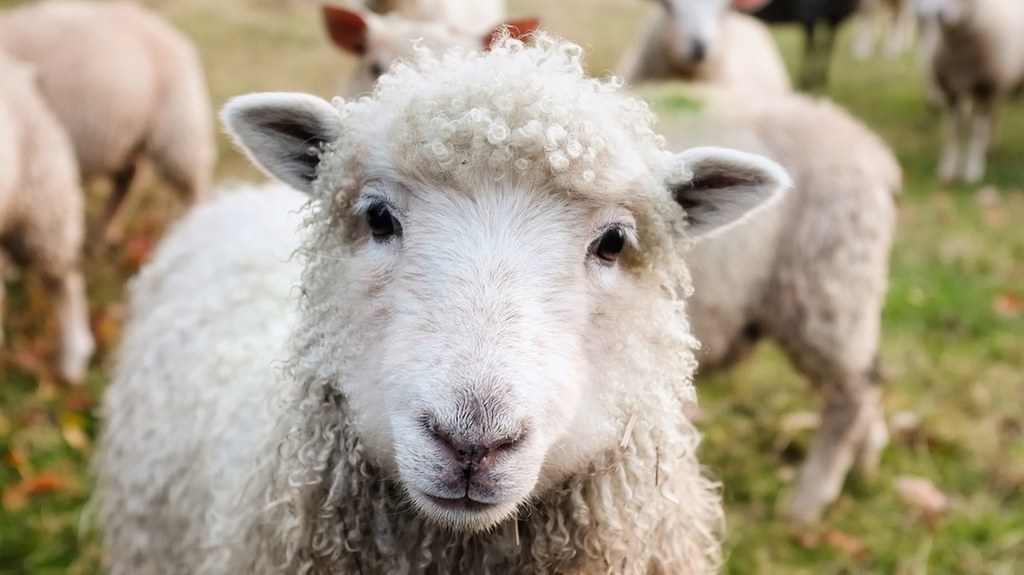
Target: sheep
<point x="488" y="360"/>
<point x="807" y="13"/>
<point x="977" y="63"/>
<point x="126" y="86"/>
<point x="379" y="41"/>
<point x="41" y="208"/>
<point x="894" y="20"/>
<point x="467" y="17"/>
<point x="809" y="272"/>
<point x="705" y="41"/>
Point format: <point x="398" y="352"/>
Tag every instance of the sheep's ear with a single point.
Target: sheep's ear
<point x="516" y="29"/>
<point x="717" y="186"/>
<point x="283" y="133"/>
<point x="348" y="29"/>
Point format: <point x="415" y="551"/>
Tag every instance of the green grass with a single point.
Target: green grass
<point x="953" y="334"/>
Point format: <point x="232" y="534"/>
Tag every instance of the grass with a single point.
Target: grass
<point x="953" y="335"/>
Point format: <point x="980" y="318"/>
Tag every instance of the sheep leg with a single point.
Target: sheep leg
<point x="848" y="417"/>
<point x="110" y="224"/>
<point x="867" y="23"/>
<point x="985" y="114"/>
<point x="902" y="31"/>
<point x="76" y="341"/>
<point x="957" y="118"/>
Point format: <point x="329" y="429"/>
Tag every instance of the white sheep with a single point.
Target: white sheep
<point x="705" y="41"/>
<point x="126" y="86"/>
<point x="379" y="41"/>
<point x="489" y="359"/>
<point x="466" y="17"/>
<point x="977" y="63"/>
<point x="41" y="208"/>
<point x="809" y="272"/>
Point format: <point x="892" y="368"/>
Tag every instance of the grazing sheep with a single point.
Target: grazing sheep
<point x="977" y="63"/>
<point x="892" y="20"/>
<point x="702" y="40"/>
<point x="807" y="13"/>
<point x="379" y="41"/>
<point x="489" y="360"/>
<point x="809" y="272"/>
<point x="467" y="17"/>
<point x="126" y="86"/>
<point x="41" y="209"/>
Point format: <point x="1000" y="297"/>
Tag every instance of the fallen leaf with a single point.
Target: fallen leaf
<point x="848" y="544"/>
<point x="19" y="461"/>
<point x="108" y="324"/>
<point x="1008" y="305"/>
<point x="921" y="493"/>
<point x="15" y="497"/>
<point x="136" y="250"/>
<point x="72" y="428"/>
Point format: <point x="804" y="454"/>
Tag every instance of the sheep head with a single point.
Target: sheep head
<point x="692" y="31"/>
<point x="494" y="259"/>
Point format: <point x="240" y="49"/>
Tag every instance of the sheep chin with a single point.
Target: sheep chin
<point x="465" y="514"/>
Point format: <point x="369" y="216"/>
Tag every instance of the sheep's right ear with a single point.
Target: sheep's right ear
<point x="718" y="187"/>
<point x="283" y="133"/>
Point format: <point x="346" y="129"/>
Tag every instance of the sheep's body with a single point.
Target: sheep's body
<point x="977" y="64"/>
<point x="809" y="273"/>
<point x="125" y="85"/>
<point x="468" y="17"/>
<point x="41" y="207"/>
<point x="425" y="320"/>
<point x="742" y="54"/>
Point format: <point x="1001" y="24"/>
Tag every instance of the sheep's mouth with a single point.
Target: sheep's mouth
<point x="464" y="503"/>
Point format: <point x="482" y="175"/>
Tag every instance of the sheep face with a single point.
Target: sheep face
<point x="948" y="12"/>
<point x="692" y="30"/>
<point x="488" y="297"/>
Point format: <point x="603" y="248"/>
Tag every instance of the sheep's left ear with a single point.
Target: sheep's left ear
<point x="283" y="133"/>
<point x="517" y="29"/>
<point x="717" y="187"/>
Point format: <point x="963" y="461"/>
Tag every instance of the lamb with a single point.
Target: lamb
<point x="489" y="361"/>
<point x="809" y="272"/>
<point x="126" y="86"/>
<point x="978" y="65"/>
<point x="41" y="208"/>
<point x="465" y="17"/>
<point x="379" y="41"/>
<point x="807" y="13"/>
<point x="706" y="41"/>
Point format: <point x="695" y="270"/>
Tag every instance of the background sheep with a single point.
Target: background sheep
<point x="467" y="17"/>
<point x="445" y="344"/>
<point x="809" y="272"/>
<point x="807" y="13"/>
<point x="893" y="21"/>
<point x="41" y="215"/>
<point x="126" y="86"/>
<point x="977" y="63"/>
<point x="379" y="41"/>
<point x="705" y="41"/>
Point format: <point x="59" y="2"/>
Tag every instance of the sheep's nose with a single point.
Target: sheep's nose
<point x="698" y="50"/>
<point x="475" y="456"/>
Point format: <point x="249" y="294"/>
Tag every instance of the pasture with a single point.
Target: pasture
<point x="953" y="338"/>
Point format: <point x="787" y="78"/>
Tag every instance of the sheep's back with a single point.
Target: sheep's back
<point x="200" y="358"/>
<point x="105" y="69"/>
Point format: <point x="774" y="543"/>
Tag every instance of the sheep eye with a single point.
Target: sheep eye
<point x="610" y="245"/>
<point x="382" y="223"/>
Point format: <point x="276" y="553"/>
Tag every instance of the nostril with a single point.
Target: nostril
<point x="698" y="50"/>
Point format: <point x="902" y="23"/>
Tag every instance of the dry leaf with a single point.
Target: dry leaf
<point x="107" y="326"/>
<point x="15" y="497"/>
<point x="19" y="461"/>
<point x="72" y="428"/>
<point x="848" y="544"/>
<point x="922" y="494"/>
<point x="1008" y="305"/>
